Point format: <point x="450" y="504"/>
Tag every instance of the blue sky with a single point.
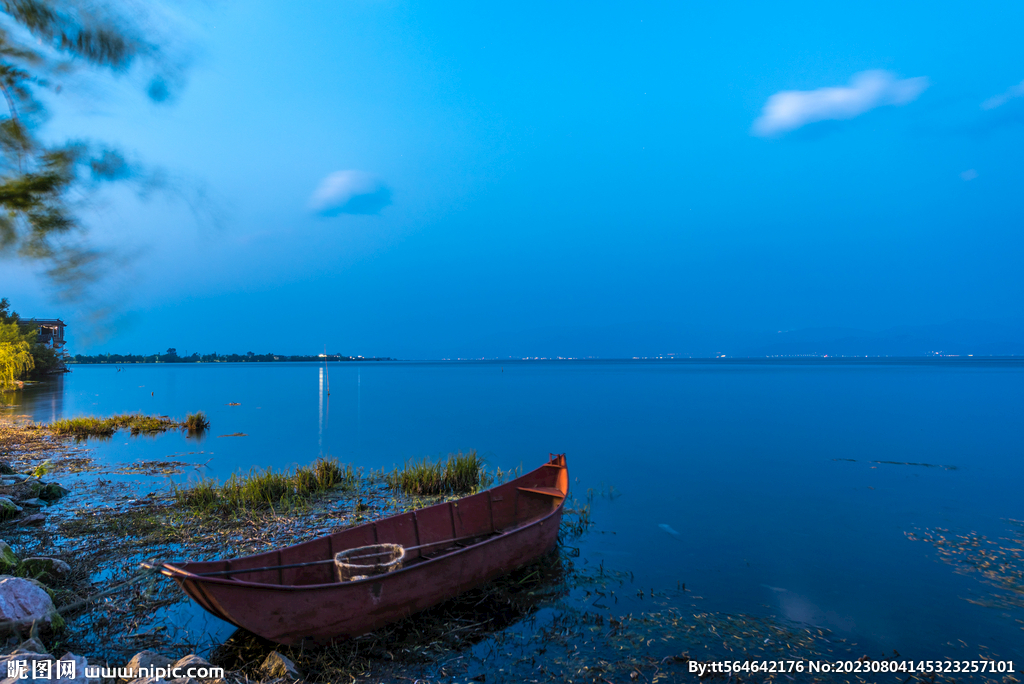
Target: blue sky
<point x="462" y="179"/>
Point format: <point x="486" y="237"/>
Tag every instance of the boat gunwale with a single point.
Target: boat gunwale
<point x="174" y="572"/>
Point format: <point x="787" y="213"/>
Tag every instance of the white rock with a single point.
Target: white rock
<point x="30" y="645"/>
<point x="29" y="659"/>
<point x="23" y="601"/>
<point x="80" y="664"/>
<point x="192" y="660"/>
<point x="148" y="659"/>
<point x="29" y="579"/>
<point x="277" y="666"/>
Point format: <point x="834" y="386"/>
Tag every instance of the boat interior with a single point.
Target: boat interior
<point x="425" y="534"/>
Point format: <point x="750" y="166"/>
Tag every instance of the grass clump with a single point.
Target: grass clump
<point x="261" y="489"/>
<point x="202" y="496"/>
<point x="324" y="475"/>
<point x="137" y="423"/>
<point x="83" y="426"/>
<point x="196" y="422"/>
<point x="459" y="474"/>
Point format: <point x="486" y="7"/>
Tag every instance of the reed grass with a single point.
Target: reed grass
<point x="575" y="521"/>
<point x="83" y="426"/>
<point x="261" y="489"/>
<point x="137" y="423"/>
<point x="196" y="422"/>
<point x="459" y="474"/>
<point x="324" y="475"/>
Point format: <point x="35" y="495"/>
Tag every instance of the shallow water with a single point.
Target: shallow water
<point x="762" y="487"/>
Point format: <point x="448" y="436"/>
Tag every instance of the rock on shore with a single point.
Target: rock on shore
<point x="148" y="659"/>
<point x="46" y="569"/>
<point x="8" y="559"/>
<point x="23" y="600"/>
<point x="276" y="666"/>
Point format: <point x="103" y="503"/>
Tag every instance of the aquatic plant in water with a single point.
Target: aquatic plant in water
<point x="137" y="423"/>
<point x="459" y="474"/>
<point x="196" y="422"/>
<point x="261" y="489"/>
<point x="998" y="563"/>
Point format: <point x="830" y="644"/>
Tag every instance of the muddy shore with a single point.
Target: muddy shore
<point x="99" y="529"/>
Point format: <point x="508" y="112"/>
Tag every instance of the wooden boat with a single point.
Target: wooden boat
<point x="294" y="594"/>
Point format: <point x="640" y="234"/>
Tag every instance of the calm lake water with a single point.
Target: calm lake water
<point x="763" y="487"/>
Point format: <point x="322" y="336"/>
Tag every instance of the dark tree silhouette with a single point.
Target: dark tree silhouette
<point x="42" y="44"/>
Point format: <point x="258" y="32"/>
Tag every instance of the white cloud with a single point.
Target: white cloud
<point x="1004" y="97"/>
<point x="350" y="192"/>
<point x="790" y="109"/>
<point x="969" y="174"/>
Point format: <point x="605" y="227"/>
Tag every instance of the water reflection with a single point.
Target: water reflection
<point x="320" y="432"/>
<point x="41" y="401"/>
<point x="325" y="408"/>
<point x="198" y="435"/>
<point x="801" y="609"/>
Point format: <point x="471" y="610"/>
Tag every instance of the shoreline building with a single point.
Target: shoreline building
<point x="51" y="333"/>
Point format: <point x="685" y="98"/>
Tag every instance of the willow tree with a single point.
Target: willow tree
<point x="42" y="360"/>
<point x="43" y="43"/>
<point x="15" y="353"/>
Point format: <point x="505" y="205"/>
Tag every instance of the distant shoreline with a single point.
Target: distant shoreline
<point x="123" y="359"/>
<point x="115" y="359"/>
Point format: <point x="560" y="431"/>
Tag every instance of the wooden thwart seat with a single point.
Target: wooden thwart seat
<point x="546" y="491"/>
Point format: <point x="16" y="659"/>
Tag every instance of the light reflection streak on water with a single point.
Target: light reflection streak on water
<point x="320" y="437"/>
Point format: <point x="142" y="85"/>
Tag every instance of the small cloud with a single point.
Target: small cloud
<point x="969" y="175"/>
<point x="1004" y="97"/>
<point x="790" y="109"/>
<point x="350" y="192"/>
<point x="158" y="89"/>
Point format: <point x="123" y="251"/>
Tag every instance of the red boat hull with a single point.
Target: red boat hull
<point x="510" y="526"/>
